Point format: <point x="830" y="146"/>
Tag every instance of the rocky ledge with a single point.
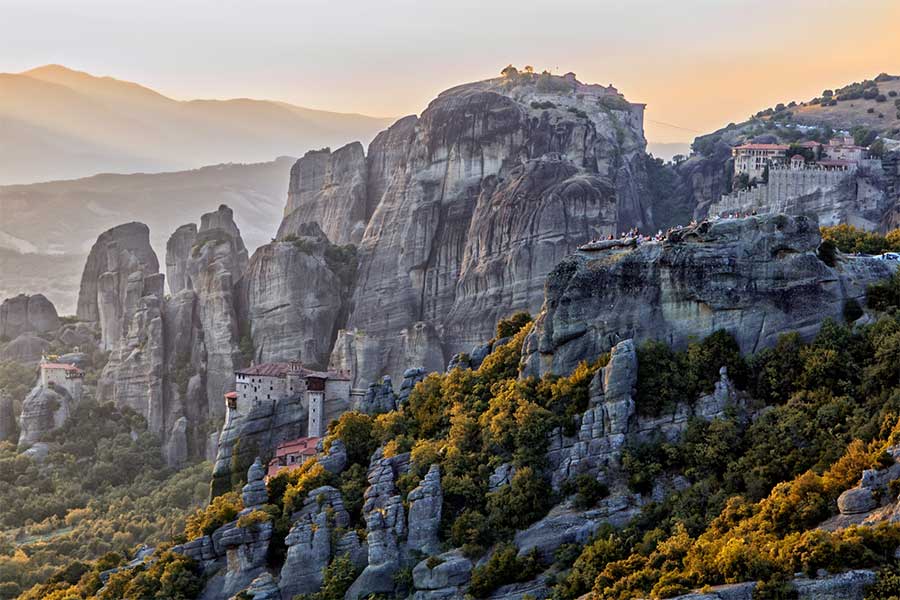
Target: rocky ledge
<point x="756" y="277"/>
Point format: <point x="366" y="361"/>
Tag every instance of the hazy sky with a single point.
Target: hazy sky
<point x="697" y="63"/>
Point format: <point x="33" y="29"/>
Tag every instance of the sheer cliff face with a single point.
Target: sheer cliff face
<point x="110" y="283"/>
<point x="291" y="299"/>
<point x="473" y="205"/>
<point x="757" y="278"/>
<point x="329" y="189"/>
<point x="171" y="358"/>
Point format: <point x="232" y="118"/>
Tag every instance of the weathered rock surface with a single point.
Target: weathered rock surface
<point x="309" y="543"/>
<point x="292" y="300"/>
<point x="135" y="374"/>
<point x="385" y="526"/>
<point x="379" y="398"/>
<point x="27" y="314"/>
<point x="474" y="204"/>
<point x="43" y="410"/>
<point x="218" y="258"/>
<point x="264" y="587"/>
<point x="756" y="277"/>
<point x="329" y="189"/>
<point x="856" y="500"/>
<point x="178" y="256"/>
<point x="843" y="586"/>
<point x="120" y="256"/>
<point x="425" y="503"/>
<point x="254" y="494"/>
<point x="447" y="579"/>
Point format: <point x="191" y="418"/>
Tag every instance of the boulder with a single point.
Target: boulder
<point x="264" y="587"/>
<point x="447" y="576"/>
<point x="44" y="410"/>
<point x="379" y="398"/>
<point x="856" y="501"/>
<point x="385" y="526"/>
<point x="255" y="494"/>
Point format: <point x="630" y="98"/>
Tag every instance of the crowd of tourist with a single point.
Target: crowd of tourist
<point x="634" y="234"/>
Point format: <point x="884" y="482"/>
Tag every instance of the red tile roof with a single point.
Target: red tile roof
<point x="231" y="395"/>
<point x="281" y="369"/>
<point x="69" y="367"/>
<point x="762" y="147"/>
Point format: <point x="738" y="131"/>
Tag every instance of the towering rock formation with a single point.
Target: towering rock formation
<point x="178" y="254"/>
<point x="329" y="189"/>
<point x="171" y="358"/>
<point x="756" y="277"/>
<point x="294" y="294"/>
<point x="473" y="204"/>
<point x="218" y="258"/>
<point x="27" y="314"/>
<point x="122" y="252"/>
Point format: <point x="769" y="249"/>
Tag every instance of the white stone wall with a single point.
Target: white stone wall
<point x="252" y="390"/>
<point x="316" y="427"/>
<point x="784" y="187"/>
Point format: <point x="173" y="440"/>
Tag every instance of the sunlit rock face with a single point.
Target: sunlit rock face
<point x="473" y="203"/>
<point x="757" y="278"/>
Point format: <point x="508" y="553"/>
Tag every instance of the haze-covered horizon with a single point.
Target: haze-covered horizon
<point x="698" y="64"/>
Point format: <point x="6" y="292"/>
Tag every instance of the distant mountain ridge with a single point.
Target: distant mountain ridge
<point x="58" y="123"/>
<point x="46" y="229"/>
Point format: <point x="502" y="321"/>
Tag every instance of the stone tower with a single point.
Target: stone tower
<point x="315" y="393"/>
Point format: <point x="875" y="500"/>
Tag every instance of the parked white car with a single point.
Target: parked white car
<point x="889" y="256"/>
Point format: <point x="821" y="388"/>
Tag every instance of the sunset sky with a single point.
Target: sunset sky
<point x="697" y="63"/>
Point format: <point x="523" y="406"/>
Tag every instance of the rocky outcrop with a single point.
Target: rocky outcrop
<point x="27" y="314"/>
<point x="379" y="398"/>
<point x="329" y="189"/>
<point x="425" y="504"/>
<point x="218" y="259"/>
<point x="474" y="203"/>
<point x="292" y="299"/>
<point x="254" y="494"/>
<point x="309" y="543"/>
<point x="27" y="349"/>
<point x="385" y="526"/>
<point x="232" y="557"/>
<point x="44" y="409"/>
<point x="843" y="586"/>
<point x="171" y="357"/>
<point x="178" y="255"/>
<point x="119" y="259"/>
<point x="446" y="577"/>
<point x="756" y="278"/>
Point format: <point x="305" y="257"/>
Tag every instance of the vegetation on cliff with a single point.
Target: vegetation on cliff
<point x="759" y="487"/>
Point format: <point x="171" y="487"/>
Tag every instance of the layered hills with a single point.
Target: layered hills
<point x="59" y="123"/>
